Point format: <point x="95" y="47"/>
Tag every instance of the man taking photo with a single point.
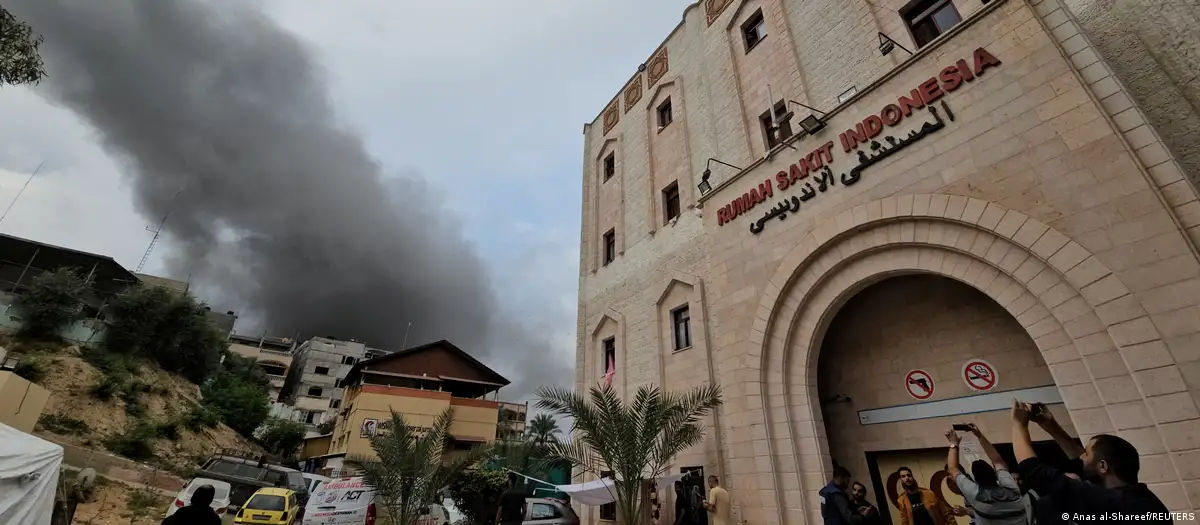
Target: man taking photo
<point x="1110" y="468"/>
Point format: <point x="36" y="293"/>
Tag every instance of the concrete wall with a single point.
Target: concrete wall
<point x="474" y="419"/>
<point x="1050" y="192"/>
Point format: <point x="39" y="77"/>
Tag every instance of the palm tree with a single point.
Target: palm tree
<point x="636" y="441"/>
<point x="412" y="467"/>
<point x="543" y="430"/>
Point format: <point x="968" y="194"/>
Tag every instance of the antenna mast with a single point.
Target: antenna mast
<point x="27" y="181"/>
<point x="157" y="232"/>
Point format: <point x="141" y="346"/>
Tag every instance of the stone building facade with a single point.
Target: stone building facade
<point x="988" y="210"/>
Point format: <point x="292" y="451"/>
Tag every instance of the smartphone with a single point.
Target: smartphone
<point x="1037" y="409"/>
<point x="961" y="427"/>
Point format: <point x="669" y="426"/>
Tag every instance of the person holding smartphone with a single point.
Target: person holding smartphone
<point x="992" y="494"/>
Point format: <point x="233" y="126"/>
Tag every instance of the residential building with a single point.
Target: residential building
<point x="314" y="384"/>
<point x="372" y="353"/>
<point x="869" y="220"/>
<point x="512" y="420"/>
<point x="418" y="383"/>
<point x="273" y="355"/>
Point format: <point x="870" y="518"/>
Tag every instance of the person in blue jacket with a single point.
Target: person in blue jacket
<point x="836" y="505"/>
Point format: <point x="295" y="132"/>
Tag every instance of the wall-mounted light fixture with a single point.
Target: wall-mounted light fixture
<point x="812" y="123"/>
<point x="704" y="186"/>
<point x="886" y="44"/>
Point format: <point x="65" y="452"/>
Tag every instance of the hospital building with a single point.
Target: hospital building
<point x="870" y="220"/>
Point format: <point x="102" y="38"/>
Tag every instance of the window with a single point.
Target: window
<point x="778" y="129"/>
<point x="322" y="370"/>
<point x="610" y="246"/>
<point x="337" y="383"/>
<point x="335" y="403"/>
<point x="315" y="391"/>
<point x="681" y="327"/>
<point x="671" y="202"/>
<point x="665" y="117"/>
<point x="610" y="355"/>
<point x="347" y="360"/>
<point x="754" y="30"/>
<point x="610" y="166"/>
<point x="608" y="511"/>
<point x="543" y="511"/>
<point x="930" y="18"/>
<point x="311" y="417"/>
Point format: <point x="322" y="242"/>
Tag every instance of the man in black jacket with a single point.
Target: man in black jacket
<point x="198" y="511"/>
<point x="836" y="507"/>
<point x="858" y="497"/>
<point x="1110" y="466"/>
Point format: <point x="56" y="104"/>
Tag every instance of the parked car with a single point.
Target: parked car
<point x="547" y="511"/>
<point x="220" y="497"/>
<point x="247" y="475"/>
<point x="270" y="506"/>
<point x="350" y="501"/>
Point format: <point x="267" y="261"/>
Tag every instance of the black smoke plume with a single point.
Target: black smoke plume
<point x="220" y="117"/>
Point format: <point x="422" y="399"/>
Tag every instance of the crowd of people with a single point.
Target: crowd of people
<point x="1105" y="487"/>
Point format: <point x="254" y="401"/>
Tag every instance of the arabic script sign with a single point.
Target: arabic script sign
<point x="815" y="166"/>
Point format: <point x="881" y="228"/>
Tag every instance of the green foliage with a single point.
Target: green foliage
<point x="66" y="425"/>
<point x="20" y="62"/>
<point x="118" y="379"/>
<point x="637" y="440"/>
<point x="135" y="443"/>
<point x="476" y="493"/>
<point x="201" y="417"/>
<point x="543" y="430"/>
<point x="141" y="503"/>
<point x="53" y="301"/>
<point x="411" y="467"/>
<point x="327" y="426"/>
<point x="30" y="369"/>
<point x="106" y="387"/>
<point x="241" y="403"/>
<point x="281" y="436"/>
<point x="170" y="329"/>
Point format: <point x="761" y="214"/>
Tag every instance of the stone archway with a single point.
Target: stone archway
<point x="1086" y="324"/>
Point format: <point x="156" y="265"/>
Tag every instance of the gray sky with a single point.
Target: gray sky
<point x="482" y="101"/>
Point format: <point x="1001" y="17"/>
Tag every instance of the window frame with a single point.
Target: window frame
<point x="320" y="391"/>
<point x="609" y="165"/>
<point x="685" y="322"/>
<point x="608" y="346"/>
<point x="766" y="121"/>
<point x="608" y="247"/>
<point x="666" y="114"/>
<point x="317" y="370"/>
<point x="671" y="194"/>
<point x="922" y="12"/>
<point x="758" y="23"/>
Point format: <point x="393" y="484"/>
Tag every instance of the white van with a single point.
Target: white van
<point x="350" y="501"/>
<point x="313" y="481"/>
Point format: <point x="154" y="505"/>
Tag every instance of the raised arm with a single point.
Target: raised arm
<point x="992" y="454"/>
<point x="1067" y="443"/>
<point x="952" y="466"/>
<point x="1022" y="443"/>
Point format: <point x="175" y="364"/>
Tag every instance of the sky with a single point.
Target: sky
<point x="482" y="101"/>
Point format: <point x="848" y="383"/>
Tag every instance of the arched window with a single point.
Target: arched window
<point x="314" y="391"/>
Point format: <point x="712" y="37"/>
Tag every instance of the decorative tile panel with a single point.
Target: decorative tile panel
<point x="633" y="92"/>
<point x="658" y="67"/>
<point x="714" y="8"/>
<point x="611" y="117"/>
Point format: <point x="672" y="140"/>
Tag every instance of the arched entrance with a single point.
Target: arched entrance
<point x="937" y="325"/>
<point x="1051" y="286"/>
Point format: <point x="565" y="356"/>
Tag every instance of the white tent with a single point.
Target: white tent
<point x="29" y="469"/>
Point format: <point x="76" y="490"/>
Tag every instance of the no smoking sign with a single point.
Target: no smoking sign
<point x="980" y="375"/>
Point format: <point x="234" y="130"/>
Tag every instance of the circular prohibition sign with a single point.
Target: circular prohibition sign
<point x="919" y="384"/>
<point x="980" y="375"/>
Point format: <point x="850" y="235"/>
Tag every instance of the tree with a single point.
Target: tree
<point x="281" y="436"/>
<point x="242" y="404"/>
<point x="172" y="330"/>
<point x="476" y="493"/>
<point x="20" y="62"/>
<point x="411" y="467"/>
<point x="637" y="442"/>
<point x="54" y="301"/>
<point x="543" y="430"/>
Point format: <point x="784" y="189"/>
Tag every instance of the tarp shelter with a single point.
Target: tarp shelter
<point x="601" y="491"/>
<point x="29" y="469"/>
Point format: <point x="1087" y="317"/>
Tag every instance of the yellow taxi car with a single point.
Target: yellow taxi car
<point x="270" y="506"/>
